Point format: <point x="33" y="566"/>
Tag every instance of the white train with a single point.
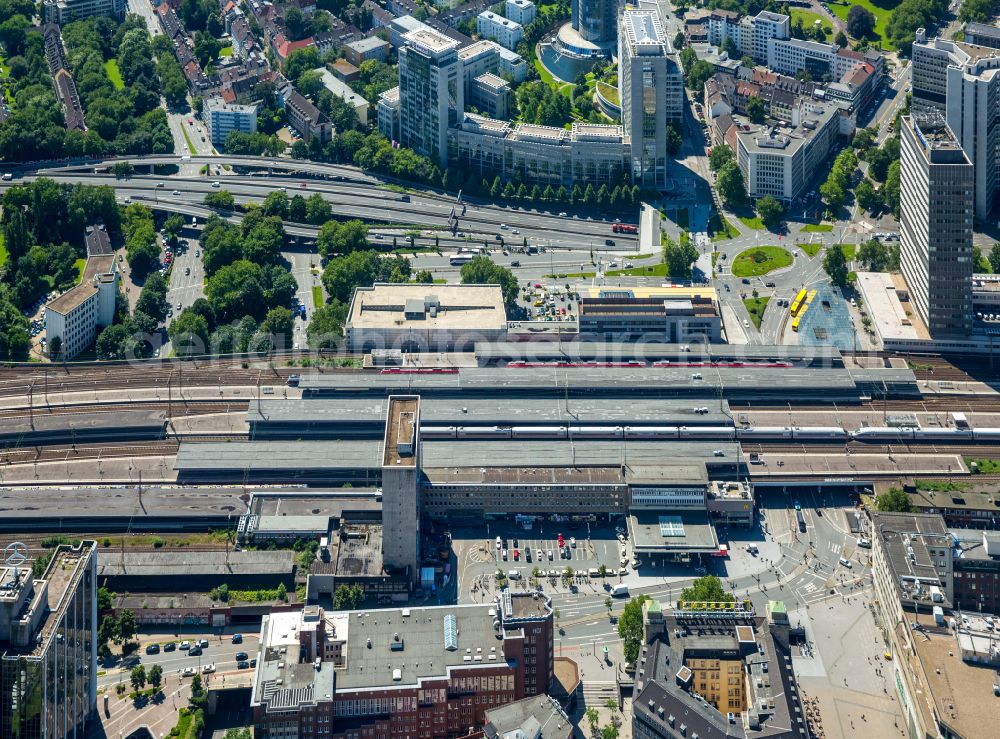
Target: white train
<point x="716" y="433"/>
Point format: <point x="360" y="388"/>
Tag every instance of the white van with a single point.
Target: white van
<point x="514" y="575"/>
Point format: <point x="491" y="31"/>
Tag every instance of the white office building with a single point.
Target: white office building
<point x="504" y="31"/>
<point x="388" y="114"/>
<point x="74" y="316"/>
<point x="962" y="82"/>
<point x="64" y="11"/>
<point x="431" y="93"/>
<point x="512" y="64"/>
<point x="651" y="89"/>
<point x="520" y="11"/>
<point x="223" y="118"/>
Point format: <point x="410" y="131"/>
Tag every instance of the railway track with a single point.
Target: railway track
<point x="79" y="452"/>
<point x="859" y="447"/>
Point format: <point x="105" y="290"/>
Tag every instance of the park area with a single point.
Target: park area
<point x="760" y="261"/>
<point x="881" y="14"/>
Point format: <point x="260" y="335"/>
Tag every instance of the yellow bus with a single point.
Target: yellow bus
<point x="797" y="303"/>
<point x="795" y="323"/>
<point x="809" y="298"/>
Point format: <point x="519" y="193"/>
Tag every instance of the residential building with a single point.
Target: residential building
<point x="674" y="315"/>
<point x="512" y="64"/>
<point x="766" y="26"/>
<point x="431" y="93"/>
<point x="64" y="11"/>
<point x="520" y="11"/>
<point x="306" y="118"/>
<point x="48" y="645"/>
<point x="982" y="34"/>
<point x="344" y="91"/>
<point x="784" y="159"/>
<point x="221" y="119"/>
<point x="388" y="114"/>
<point x="542" y="155"/>
<point x="425" y="318"/>
<point x="62" y="80"/>
<point x="596" y="21"/>
<point x="491" y="95"/>
<point x="417" y="672"/>
<point x="401" y="509"/>
<point x="722" y="25"/>
<point x="824" y="62"/>
<point x="912" y="565"/>
<point x="976" y="565"/>
<point x="936" y="206"/>
<point x="504" y="31"/>
<point x="529" y="718"/>
<point x="74" y="316"/>
<point x="372" y="47"/>
<point x="962" y="82"/>
<point x="651" y="91"/>
<point x="696" y="26"/>
<point x="715" y="670"/>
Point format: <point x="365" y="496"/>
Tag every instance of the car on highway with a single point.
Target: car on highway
<point x="798" y="507"/>
<point x="240" y="656"/>
<point x="195" y="651"/>
<point x="515" y="263"/>
<point x="189" y="672"/>
<point x="159" y="184"/>
<point x="562" y="214"/>
<point x="185" y="645"/>
<point x="153" y="649"/>
<point x="216" y="184"/>
<point x="170" y="646"/>
<point x="845" y="562"/>
<point x="242" y="665"/>
<point x="208" y="669"/>
<point x="237" y="638"/>
<point x="176" y="192"/>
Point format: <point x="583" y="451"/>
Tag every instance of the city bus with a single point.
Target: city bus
<point x="795" y="323"/>
<point x="809" y="298"/>
<point x="459" y="259"/>
<point x="797" y="303"/>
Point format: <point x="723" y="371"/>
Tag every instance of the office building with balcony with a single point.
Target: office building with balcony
<point x="48" y="645"/>
<point x="651" y="90"/>
<point x="936" y="214"/>
<point x="223" y="118"/>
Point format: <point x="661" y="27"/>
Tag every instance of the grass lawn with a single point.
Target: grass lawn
<point x="114" y="74"/>
<point x="849" y="251"/>
<point x="809" y="19"/>
<point x="226" y="51"/>
<point x="651" y="270"/>
<point x="810" y="249"/>
<point x="760" y="260"/>
<point x="609" y="93"/>
<point x="4" y="254"/>
<point x="317" y="292"/>
<point x="817" y="228"/>
<point x="187" y="139"/>
<point x="756" y="307"/>
<point x="752" y="222"/>
<point x="721" y="228"/>
<point x="881" y="14"/>
<point x="79" y="264"/>
<point x="986" y="466"/>
<point x="982" y="264"/>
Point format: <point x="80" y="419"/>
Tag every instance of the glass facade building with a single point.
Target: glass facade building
<point x="48" y="647"/>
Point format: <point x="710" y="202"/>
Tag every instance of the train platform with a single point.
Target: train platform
<point x="831" y="467"/>
<point x="851" y="419"/>
<point x="218" y="393"/>
<point x="210" y="424"/>
<point x="71" y="472"/>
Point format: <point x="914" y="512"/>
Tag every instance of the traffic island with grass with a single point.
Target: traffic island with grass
<point x="810" y="249"/>
<point x="760" y="261"/>
<point x="756" y="307"/>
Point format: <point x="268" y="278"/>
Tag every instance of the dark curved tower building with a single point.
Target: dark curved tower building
<point x="596" y="20"/>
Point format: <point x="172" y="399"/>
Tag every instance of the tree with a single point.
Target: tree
<point x="707" y="588"/>
<point x="867" y="196"/>
<point x="729" y="182"/>
<point x="840" y="39"/>
<point x="755" y="110"/>
<point x="221" y="200"/>
<point x="699" y="74"/>
<point x="237" y="290"/>
<point x="630" y="627"/>
<point x="275" y="204"/>
<point x="835" y="264"/>
<point x="730" y="48"/>
<point x="674" y="141"/>
<point x="103" y="599"/>
<point x="282" y="591"/>
<point x="894" y="500"/>
<point x="994" y="257"/>
<point x="770" y="211"/>
<point x="318" y="210"/>
<point x="138" y="677"/>
<point x="678" y="257"/>
<point x="348" y="597"/>
<point x="609" y="732"/>
<point x="860" y="22"/>
<point x="295" y="22"/>
<point x="341" y="238"/>
<point x="297" y="209"/>
<point x="719" y="156"/>
<point x="153" y="298"/>
<point x="875" y="256"/>
<point x="13" y="32"/>
<point x="890" y="190"/>
<point x="155" y="676"/>
<point x="112" y="342"/>
<point x="278" y="327"/>
<point x="326" y="327"/>
<point x="189" y="334"/>
<point x="679" y="40"/>
<point x="593" y="717"/>
<point x="482" y="270"/>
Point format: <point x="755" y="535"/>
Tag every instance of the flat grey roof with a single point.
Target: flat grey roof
<point x="366" y="453"/>
<point x="178" y="561"/>
<point x="609" y="380"/>
<point x="615" y="349"/>
<point x="692" y="532"/>
<point x="81" y="421"/>
<point x="494" y="411"/>
<point x="278" y="455"/>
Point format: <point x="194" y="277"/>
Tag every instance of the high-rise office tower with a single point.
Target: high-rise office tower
<point x="48" y="644"/>
<point x="936" y="202"/>
<point x="595" y="20"/>
<point x="431" y="96"/>
<point x="400" y="486"/>
<point x="962" y="81"/>
<point x="651" y="89"/>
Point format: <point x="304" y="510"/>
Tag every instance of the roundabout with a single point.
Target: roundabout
<point x="761" y="260"/>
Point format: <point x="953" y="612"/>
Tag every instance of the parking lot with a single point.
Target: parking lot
<point x="552" y="303"/>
